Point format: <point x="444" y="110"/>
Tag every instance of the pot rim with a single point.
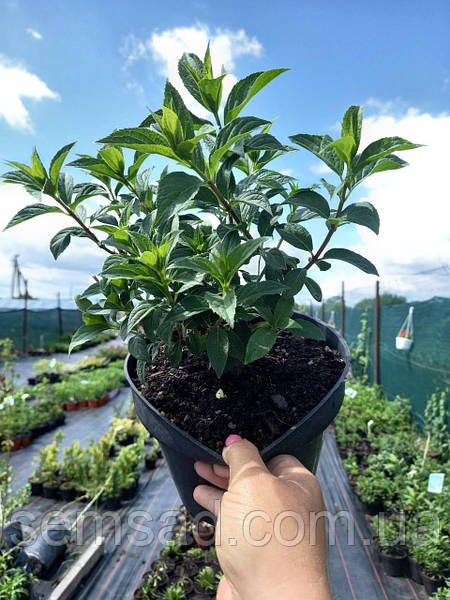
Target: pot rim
<point x="215" y="456"/>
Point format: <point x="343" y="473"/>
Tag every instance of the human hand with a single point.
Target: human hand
<point x="270" y="533"/>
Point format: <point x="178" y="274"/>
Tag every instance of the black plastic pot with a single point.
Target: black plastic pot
<point x="130" y="493"/>
<point x="150" y="463"/>
<point x="36" y="488"/>
<point x="394" y="565"/>
<point x="431" y="584"/>
<point x="304" y="440"/>
<point x="46" y="550"/>
<point x="10" y="535"/>
<point x="112" y="503"/>
<point x="414" y="570"/>
<point x="67" y="493"/>
<point x="50" y="491"/>
<point x="372" y="508"/>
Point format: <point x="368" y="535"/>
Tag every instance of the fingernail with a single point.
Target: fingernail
<point x="234" y="437"/>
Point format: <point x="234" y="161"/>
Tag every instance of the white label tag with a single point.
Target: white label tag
<point x="351" y="393"/>
<point x="436" y="483"/>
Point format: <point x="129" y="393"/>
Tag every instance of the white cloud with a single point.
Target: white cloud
<point x="34" y="33"/>
<point x="31" y="240"/>
<point x="17" y="83"/>
<point x="166" y="48"/>
<point x="320" y="168"/>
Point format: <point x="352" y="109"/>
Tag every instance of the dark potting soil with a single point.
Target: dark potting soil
<point x="259" y="402"/>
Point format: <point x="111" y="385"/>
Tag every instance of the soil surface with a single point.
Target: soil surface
<point x="259" y="402"/>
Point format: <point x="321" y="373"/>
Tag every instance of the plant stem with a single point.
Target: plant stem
<point x="70" y="213"/>
<point x="228" y="207"/>
<point x="315" y="257"/>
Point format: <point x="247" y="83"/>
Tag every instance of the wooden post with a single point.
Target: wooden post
<point x="60" y="326"/>
<point x="322" y="311"/>
<point x="343" y="310"/>
<point x="25" y="320"/>
<point x="311" y="312"/>
<point x="376" y="327"/>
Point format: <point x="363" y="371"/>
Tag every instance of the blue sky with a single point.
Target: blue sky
<point x="100" y="64"/>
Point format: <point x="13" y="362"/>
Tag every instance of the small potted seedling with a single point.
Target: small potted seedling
<point x="433" y="554"/>
<point x="206" y="581"/>
<point x="172" y="551"/>
<point x="50" y="467"/>
<point x="173" y="592"/>
<point x="204" y="261"/>
<point x="152" y="585"/>
<point x="393" y="557"/>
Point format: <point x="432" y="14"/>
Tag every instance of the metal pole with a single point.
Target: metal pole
<point x="25" y="319"/>
<point x="343" y="310"/>
<point x="322" y="311"/>
<point x="376" y="327"/>
<point x="60" y="327"/>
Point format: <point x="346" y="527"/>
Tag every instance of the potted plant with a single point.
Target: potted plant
<point x="49" y="467"/>
<point x="203" y="268"/>
<point x="73" y="471"/>
<point x="206" y="581"/>
<point x="152" y="584"/>
<point x="434" y="557"/>
<point x="404" y="340"/>
<point x="393" y="557"/>
<point x="113" y="490"/>
<point x="173" y="592"/>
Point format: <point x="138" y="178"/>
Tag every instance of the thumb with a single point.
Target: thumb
<point x="243" y="459"/>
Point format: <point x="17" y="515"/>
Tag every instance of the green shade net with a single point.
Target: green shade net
<point x="42" y="326"/>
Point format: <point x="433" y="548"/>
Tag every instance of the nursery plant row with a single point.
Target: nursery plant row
<point x="29" y="412"/>
<point x="389" y="462"/>
<point x="187" y="566"/>
<point x="106" y="473"/>
<point x="63" y="343"/>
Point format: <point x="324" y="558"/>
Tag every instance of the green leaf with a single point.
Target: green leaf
<point x="87" y="333"/>
<point x="113" y="157"/>
<point x="323" y="265"/>
<point x="362" y="213"/>
<point x="314" y="289"/>
<point x="217" y="347"/>
<point x="345" y="148"/>
<point x="351" y="257"/>
<point x="244" y="90"/>
<point x="352" y="125"/>
<point x="251" y="292"/>
<point x="263" y="141"/>
<point x="211" y="91"/>
<point x="138" y="348"/>
<point x="207" y="64"/>
<point x="230" y="134"/>
<point x="282" y="312"/>
<point x="381" y="148"/>
<point x="37" y="168"/>
<point x="186" y="308"/>
<point x="254" y="198"/>
<point x="312" y="200"/>
<point x="243" y="252"/>
<point x="320" y="146"/>
<point x="61" y="240"/>
<point x="190" y="69"/>
<point x="260" y="343"/>
<point x="304" y="328"/>
<point x="175" y="192"/>
<point x="141" y="139"/>
<point x="388" y="163"/>
<point x="65" y="187"/>
<point x="296" y="235"/>
<point x="31" y="211"/>
<point x="223" y="305"/>
<point x="58" y="161"/>
<point x="139" y="313"/>
<point x="295" y="280"/>
<point x="173" y="100"/>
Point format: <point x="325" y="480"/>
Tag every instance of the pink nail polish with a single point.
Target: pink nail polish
<point x="232" y="438"/>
